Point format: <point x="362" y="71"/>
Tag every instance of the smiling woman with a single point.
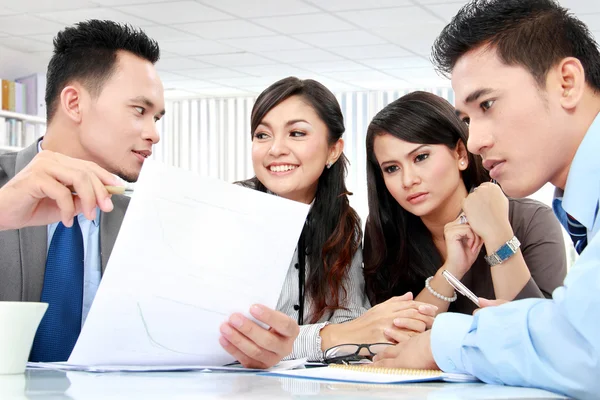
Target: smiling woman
<point x="291" y="148"/>
<point x="297" y="153"/>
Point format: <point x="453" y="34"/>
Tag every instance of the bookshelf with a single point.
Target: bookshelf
<point x="22" y="117"/>
<point x="19" y="130"/>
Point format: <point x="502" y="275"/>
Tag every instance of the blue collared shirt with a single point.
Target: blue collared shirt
<point x="552" y="344"/>
<point x="92" y="266"/>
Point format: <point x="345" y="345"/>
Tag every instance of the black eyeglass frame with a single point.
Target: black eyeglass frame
<point x="345" y="359"/>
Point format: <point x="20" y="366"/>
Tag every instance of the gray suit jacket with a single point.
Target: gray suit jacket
<point x="23" y="251"/>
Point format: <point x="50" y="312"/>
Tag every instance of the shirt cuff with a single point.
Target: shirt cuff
<point x="447" y="336"/>
<point x="308" y="343"/>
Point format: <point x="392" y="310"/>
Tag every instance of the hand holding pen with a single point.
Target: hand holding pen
<point x="39" y="194"/>
<point x="42" y="192"/>
<point x="459" y="287"/>
<point x="480" y="302"/>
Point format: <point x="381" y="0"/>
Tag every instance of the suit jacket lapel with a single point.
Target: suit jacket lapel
<point x="33" y="242"/>
<point x="110" y="223"/>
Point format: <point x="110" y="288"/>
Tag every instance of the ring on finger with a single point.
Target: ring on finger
<point x="463" y="219"/>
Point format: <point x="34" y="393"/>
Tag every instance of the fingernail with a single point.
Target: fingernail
<point x="108" y="204"/>
<point x="388" y="331"/>
<point x="236" y="321"/>
<point x="93" y="214"/>
<point x="224" y="342"/>
<point x="428" y="307"/>
<point x="226" y="329"/>
<point x="256" y="310"/>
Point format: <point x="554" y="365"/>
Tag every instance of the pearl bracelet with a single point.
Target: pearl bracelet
<point x="436" y="294"/>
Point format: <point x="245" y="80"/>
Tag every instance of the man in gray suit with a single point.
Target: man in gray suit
<point x="103" y="98"/>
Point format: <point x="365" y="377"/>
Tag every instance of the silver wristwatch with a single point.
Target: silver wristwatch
<point x="505" y="251"/>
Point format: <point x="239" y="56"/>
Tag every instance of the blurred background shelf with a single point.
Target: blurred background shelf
<point x="22" y="117"/>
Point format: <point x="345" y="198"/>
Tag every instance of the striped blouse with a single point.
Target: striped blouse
<point x="308" y="343"/>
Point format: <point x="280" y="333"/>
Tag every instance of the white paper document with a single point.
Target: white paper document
<point x="191" y="251"/>
<point x="63" y="366"/>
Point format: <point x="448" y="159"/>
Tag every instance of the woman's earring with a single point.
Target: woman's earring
<point x="462" y="163"/>
<point x="329" y="164"/>
<point x="566" y="93"/>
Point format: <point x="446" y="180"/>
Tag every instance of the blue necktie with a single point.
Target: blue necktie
<point x="63" y="291"/>
<point x="578" y="233"/>
<point x="576" y="230"/>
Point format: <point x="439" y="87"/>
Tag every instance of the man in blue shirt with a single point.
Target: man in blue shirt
<point x="526" y="75"/>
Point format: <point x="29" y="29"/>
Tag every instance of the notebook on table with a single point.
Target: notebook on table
<point x="370" y="374"/>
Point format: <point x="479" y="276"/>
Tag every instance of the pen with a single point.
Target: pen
<point x="119" y="189"/>
<point x="459" y="287"/>
<point x="126" y="190"/>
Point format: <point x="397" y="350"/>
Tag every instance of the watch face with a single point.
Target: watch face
<point x="504" y="252"/>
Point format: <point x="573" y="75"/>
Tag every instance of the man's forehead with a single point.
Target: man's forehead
<point x="133" y="71"/>
<point x="134" y="67"/>
<point x="474" y="72"/>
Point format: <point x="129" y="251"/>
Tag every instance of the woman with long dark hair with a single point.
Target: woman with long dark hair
<point x="432" y="208"/>
<point x="297" y="153"/>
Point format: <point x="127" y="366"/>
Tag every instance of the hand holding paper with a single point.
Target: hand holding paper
<point x="254" y="346"/>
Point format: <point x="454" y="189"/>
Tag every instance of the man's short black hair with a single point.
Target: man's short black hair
<point x="535" y="34"/>
<point x="87" y="53"/>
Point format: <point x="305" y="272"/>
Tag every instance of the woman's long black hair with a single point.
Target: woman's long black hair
<point x="333" y="232"/>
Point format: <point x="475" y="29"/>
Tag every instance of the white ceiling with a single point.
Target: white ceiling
<point x="236" y="47"/>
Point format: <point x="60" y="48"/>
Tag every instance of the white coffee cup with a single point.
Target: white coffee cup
<point x="18" y="323"/>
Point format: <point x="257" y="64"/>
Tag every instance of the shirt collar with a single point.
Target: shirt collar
<point x="95" y="221"/>
<point x="582" y="190"/>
